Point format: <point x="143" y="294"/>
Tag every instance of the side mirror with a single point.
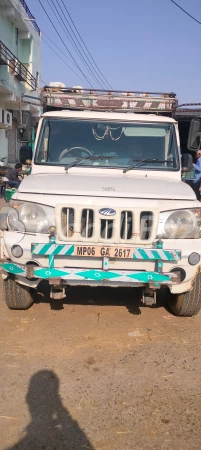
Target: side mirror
<point x="25" y="154"/>
<point x="186" y="163"/>
<point x="194" y="134"/>
<point x="24" y="126"/>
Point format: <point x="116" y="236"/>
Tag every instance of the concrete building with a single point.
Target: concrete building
<point x="20" y="63"/>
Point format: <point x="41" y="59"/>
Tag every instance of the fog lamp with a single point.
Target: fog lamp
<point x="16" y="251"/>
<point x="194" y="258"/>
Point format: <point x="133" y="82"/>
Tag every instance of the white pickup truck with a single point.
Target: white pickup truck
<point x="105" y="204"/>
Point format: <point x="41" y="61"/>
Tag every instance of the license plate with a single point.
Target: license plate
<point x="99" y="252"/>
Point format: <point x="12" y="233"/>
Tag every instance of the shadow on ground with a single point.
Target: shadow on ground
<point x="101" y="296"/>
<point x="51" y="427"/>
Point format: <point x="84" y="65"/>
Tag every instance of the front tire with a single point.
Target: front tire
<point x="187" y="304"/>
<point x="16" y="296"/>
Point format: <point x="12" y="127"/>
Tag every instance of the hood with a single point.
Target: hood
<point x="106" y="186"/>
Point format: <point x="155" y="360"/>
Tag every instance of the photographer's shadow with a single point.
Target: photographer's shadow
<point x="51" y="426"/>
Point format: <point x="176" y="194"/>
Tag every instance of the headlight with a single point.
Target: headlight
<point x="180" y="224"/>
<point x="30" y="217"/>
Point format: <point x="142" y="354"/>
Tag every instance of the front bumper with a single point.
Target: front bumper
<point x="118" y="266"/>
<point x="97" y="276"/>
<point x="91" y="277"/>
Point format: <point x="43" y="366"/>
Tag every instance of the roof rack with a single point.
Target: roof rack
<point x="96" y="99"/>
<point x="188" y="110"/>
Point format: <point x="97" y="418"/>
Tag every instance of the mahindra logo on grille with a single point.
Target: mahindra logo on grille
<point x="107" y="212"/>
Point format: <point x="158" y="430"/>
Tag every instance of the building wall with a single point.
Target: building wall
<point x="3" y="144"/>
<point x="24" y="41"/>
<point x="28" y="51"/>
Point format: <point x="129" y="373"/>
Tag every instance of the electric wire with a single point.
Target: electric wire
<point x="61" y="58"/>
<point x="70" y="17"/>
<point x="83" y="53"/>
<point x="47" y="37"/>
<point x="73" y="42"/>
<point x="188" y="14"/>
<point x="64" y="43"/>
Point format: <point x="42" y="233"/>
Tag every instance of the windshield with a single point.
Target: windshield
<point x="132" y="145"/>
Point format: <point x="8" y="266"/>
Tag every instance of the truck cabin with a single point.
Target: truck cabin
<point x="58" y="98"/>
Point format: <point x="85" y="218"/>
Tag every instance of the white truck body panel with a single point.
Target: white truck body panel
<point x="116" y="185"/>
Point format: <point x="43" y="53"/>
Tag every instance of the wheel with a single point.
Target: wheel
<point x="15" y="295"/>
<point x="188" y="303"/>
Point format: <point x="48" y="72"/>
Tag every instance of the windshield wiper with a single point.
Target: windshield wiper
<point x="85" y="158"/>
<point x="141" y="162"/>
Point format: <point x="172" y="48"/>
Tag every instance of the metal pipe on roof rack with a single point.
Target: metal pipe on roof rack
<point x="189" y="104"/>
<point x="170" y="94"/>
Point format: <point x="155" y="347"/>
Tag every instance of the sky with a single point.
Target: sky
<point x="147" y="45"/>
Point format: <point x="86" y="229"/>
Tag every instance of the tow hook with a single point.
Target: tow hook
<point x="57" y="290"/>
<point x="148" y="296"/>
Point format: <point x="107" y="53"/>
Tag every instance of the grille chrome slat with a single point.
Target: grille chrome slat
<point x="87" y="223"/>
<point x="106" y="229"/>
<point x="126" y="224"/>
<point x="67" y="223"/>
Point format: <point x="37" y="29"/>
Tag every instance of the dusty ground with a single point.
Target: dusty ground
<point x="103" y="373"/>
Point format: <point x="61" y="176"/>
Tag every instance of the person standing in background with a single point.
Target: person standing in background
<point x="197" y="176"/>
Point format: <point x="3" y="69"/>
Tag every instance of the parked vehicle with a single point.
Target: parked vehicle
<point x="105" y="204"/>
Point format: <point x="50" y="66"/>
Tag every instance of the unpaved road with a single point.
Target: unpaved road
<point x="103" y="373"/>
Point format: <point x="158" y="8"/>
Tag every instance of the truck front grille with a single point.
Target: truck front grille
<point x="75" y="223"/>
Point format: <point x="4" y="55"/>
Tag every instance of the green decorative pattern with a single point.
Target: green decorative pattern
<point x="14" y="268"/>
<point x="151" y="254"/>
<point x="47" y="273"/>
<point x="52" y="249"/>
<point x="148" y="277"/>
<point x="98" y="275"/>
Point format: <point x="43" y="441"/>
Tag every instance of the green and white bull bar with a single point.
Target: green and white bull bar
<point x="102" y="276"/>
